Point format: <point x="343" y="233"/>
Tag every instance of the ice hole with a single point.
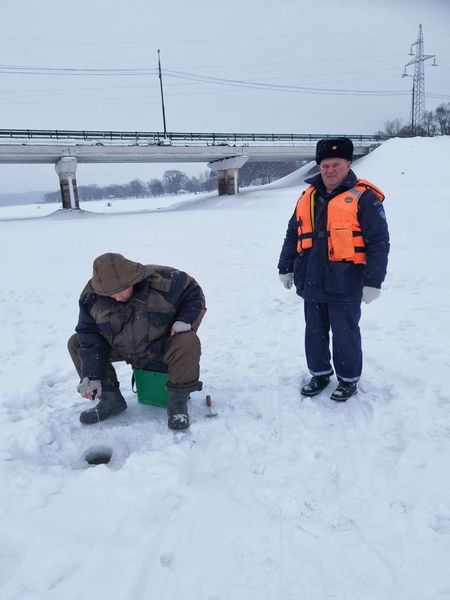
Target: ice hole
<point x="99" y="455"/>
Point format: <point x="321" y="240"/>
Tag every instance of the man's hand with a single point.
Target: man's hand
<point x="287" y="279"/>
<point x="90" y="388"/>
<point x="370" y="294"/>
<point x="179" y="327"/>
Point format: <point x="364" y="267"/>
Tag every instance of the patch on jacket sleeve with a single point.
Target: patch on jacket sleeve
<point x="380" y="209"/>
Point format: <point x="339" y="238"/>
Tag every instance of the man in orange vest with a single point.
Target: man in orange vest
<point x="335" y="252"/>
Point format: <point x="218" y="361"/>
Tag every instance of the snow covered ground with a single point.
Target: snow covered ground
<point x="279" y="497"/>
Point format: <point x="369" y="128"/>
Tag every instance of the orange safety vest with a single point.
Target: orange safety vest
<point x="345" y="241"/>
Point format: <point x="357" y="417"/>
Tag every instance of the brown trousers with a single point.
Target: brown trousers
<point x="181" y="354"/>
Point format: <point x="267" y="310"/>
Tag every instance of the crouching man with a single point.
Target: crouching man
<point x="146" y="315"/>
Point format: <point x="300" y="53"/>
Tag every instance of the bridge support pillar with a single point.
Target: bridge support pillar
<point x="228" y="174"/>
<point x="66" y="168"/>
<point x="228" y="182"/>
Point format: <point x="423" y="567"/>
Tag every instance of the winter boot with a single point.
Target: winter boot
<point x="177" y="410"/>
<point x="111" y="403"/>
<point x="344" y="391"/>
<point x="315" y="386"/>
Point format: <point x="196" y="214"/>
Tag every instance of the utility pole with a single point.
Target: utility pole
<point x="162" y="95"/>
<point x="418" y="88"/>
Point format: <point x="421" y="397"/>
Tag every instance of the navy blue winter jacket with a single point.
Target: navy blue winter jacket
<point x="318" y="279"/>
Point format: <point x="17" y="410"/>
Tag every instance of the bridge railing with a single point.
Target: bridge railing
<point x="157" y="137"/>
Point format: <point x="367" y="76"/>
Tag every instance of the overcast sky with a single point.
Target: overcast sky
<point x="349" y="54"/>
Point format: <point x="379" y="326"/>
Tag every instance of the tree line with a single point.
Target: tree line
<point x="435" y="123"/>
<point x="173" y="182"/>
<point x="176" y="182"/>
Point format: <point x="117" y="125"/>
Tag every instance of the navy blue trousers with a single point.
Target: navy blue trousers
<point x="343" y="321"/>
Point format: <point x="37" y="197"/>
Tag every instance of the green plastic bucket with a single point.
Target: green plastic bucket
<point x="151" y="387"/>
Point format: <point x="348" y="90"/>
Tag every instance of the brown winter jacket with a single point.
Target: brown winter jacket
<point x="136" y="330"/>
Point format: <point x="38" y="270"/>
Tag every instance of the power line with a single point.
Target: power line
<point x="296" y="62"/>
<point x="46" y="70"/>
<point x="30" y="70"/>
<point x="438" y="96"/>
<point x="196" y="40"/>
<point x="148" y="85"/>
<point x="147" y="97"/>
<point x="279" y="87"/>
<point x="197" y="78"/>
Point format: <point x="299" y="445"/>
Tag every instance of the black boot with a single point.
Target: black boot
<point x="177" y="410"/>
<point x="315" y="386"/>
<point x="111" y="403"/>
<point x="344" y="391"/>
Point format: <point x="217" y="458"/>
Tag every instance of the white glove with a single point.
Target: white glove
<point x="90" y="388"/>
<point x="287" y="279"/>
<point x="370" y="294"/>
<point x="179" y="327"/>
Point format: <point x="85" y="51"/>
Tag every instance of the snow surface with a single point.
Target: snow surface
<point x="279" y="497"/>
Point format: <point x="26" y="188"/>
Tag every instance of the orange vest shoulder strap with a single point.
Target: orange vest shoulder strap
<point x="365" y="184"/>
<point x="304" y="213"/>
<point x="304" y="209"/>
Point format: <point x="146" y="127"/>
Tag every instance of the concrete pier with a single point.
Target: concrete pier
<point x="66" y="168"/>
<point x="228" y="174"/>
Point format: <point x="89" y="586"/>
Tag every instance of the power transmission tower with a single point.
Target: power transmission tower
<point x="418" y="89"/>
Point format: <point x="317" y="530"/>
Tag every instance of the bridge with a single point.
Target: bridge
<point x="225" y="153"/>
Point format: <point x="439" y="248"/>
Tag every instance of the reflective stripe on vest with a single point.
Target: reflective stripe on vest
<point x="345" y="242"/>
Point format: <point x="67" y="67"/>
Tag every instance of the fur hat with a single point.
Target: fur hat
<point x="334" y="148"/>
